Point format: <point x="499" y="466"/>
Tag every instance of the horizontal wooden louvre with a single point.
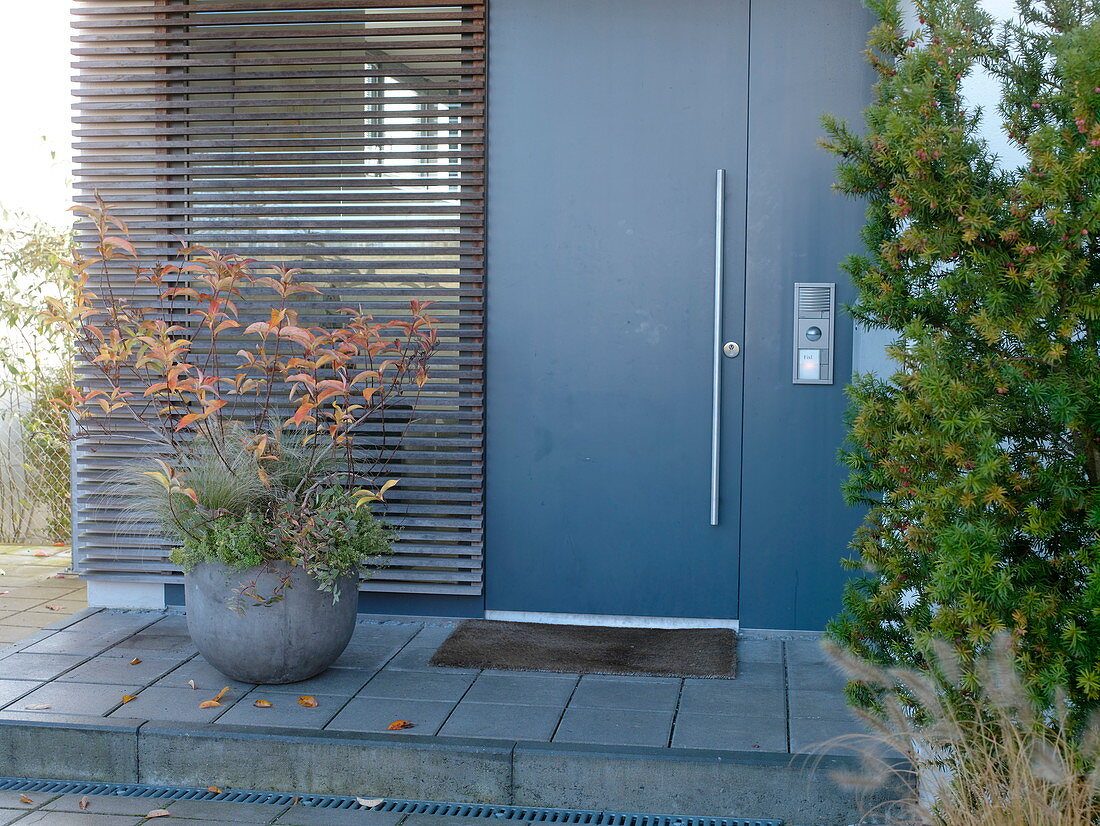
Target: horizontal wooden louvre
<point x="344" y="137"/>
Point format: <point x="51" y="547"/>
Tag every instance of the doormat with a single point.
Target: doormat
<point x="533" y="646"/>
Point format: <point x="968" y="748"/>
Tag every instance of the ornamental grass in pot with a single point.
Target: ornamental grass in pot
<point x="265" y="437"/>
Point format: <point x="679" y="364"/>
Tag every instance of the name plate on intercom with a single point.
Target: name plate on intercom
<point x="814" y="310"/>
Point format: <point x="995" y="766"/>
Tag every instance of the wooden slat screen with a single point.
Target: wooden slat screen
<point x="342" y="136"/>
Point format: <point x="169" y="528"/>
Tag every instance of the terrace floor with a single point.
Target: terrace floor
<point x="785" y="699"/>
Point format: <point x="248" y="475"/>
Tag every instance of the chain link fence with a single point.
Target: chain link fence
<point x="34" y="470"/>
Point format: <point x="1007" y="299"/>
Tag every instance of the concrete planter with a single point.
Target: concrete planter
<point x="290" y="640"/>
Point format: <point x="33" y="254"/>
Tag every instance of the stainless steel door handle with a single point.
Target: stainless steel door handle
<point x="716" y="400"/>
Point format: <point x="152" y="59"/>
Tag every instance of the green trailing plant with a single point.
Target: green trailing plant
<point x="979" y="459"/>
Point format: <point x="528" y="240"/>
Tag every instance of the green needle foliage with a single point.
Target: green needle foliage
<point x="979" y="458"/>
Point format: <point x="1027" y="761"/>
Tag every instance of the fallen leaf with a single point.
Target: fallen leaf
<point x="209" y="704"/>
<point x="221" y="693"/>
<point x="39" y="553"/>
<point x="214" y="789"/>
<point x="296" y="799"/>
<point x="262" y="704"/>
<point x="37" y="706"/>
<point x="159" y="813"/>
<point x="84" y="802"/>
<point x="370" y="803"/>
<point x="24" y="799"/>
<point x="397" y="725"/>
<point x="135" y="660"/>
<point x="59" y="544"/>
<point x="55" y="607"/>
<point x="128" y="697"/>
<point x="192" y="684"/>
<point x="307" y="701"/>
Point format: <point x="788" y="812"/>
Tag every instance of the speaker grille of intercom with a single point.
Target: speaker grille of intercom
<point x="814" y="309"/>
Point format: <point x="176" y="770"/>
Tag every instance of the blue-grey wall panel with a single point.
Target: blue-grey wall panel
<point x="805" y="61"/>
<point x="607" y="121"/>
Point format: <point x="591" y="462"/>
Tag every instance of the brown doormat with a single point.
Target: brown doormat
<point x="531" y="646"/>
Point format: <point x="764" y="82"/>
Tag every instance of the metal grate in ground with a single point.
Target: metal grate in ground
<point x="523" y="814"/>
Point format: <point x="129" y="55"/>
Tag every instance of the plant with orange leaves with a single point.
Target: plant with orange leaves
<point x="254" y="417"/>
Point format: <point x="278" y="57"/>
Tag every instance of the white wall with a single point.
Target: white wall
<point x="980" y="90"/>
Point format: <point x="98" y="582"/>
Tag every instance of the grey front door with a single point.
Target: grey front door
<point x="607" y="122"/>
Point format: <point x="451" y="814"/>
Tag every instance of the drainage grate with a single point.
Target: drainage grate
<point x="523" y="814"/>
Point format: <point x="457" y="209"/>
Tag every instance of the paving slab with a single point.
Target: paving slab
<point x="648" y="694"/>
<point x="10" y="816"/>
<point x="224" y="811"/>
<point x="73" y="698"/>
<point x="371" y="714"/>
<point x="101" y="804"/>
<point x="284" y="712"/>
<point x="825" y="736"/>
<point x="49" y="818"/>
<point x="118" y="671"/>
<point x="614" y="726"/>
<point x="731" y="697"/>
<point x="14" y="689"/>
<point x="176" y="704"/>
<point x="74" y="642"/>
<point x="726" y="732"/>
<point x="21" y="666"/>
<point x="309" y="816"/>
<point x="502" y="722"/>
<point x="522" y="688"/>
<point x="205" y="676"/>
<point x="759" y="651"/>
<point x="337" y="682"/>
<point x="761" y="675"/>
<point x="417" y="685"/>
<point x="154" y="647"/>
<point x="829" y="705"/>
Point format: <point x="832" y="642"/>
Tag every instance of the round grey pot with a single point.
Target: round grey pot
<point x="293" y="639"/>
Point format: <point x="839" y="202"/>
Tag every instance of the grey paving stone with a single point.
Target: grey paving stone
<point x="340" y="682"/>
<point x="731" y="697"/>
<point x="827" y="705"/>
<point x="117" y="671"/>
<point x="102" y="804"/>
<point x="206" y="677"/>
<point x="89" y="699"/>
<point x="364" y="659"/>
<point x="13" y="800"/>
<point x="225" y="811"/>
<point x="47" y="818"/>
<point x="729" y="732"/>
<point x="376" y="714"/>
<point x="815" y="677"/>
<point x="309" y="816"/>
<point x="417" y="685"/>
<point x="502" y="722"/>
<point x="74" y="642"/>
<point x="383" y="635"/>
<point x="22" y="666"/>
<point x="130" y="621"/>
<point x="170" y="624"/>
<point x="805" y="651"/>
<point x="648" y="694"/>
<point x="154" y="647"/>
<point x="760" y="674"/>
<point x="417" y="657"/>
<point x="759" y="651"/>
<point x="10" y="816"/>
<point x="818" y="736"/>
<point x="177" y="704"/>
<point x="615" y="727"/>
<point x="529" y="689"/>
<point x="284" y="711"/>
<point x="11" y="689"/>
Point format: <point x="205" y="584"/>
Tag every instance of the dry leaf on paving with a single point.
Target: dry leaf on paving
<point x="128" y="697"/>
<point x="214" y="789"/>
<point x="397" y="725"/>
<point x="24" y="799"/>
<point x="209" y="704"/>
<point x="135" y="660"/>
<point x="192" y="684"/>
<point x="221" y="693"/>
<point x="307" y="701"/>
<point x="40" y="553"/>
<point x="370" y="803"/>
<point x="37" y="706"/>
<point x="159" y="813"/>
<point x="262" y="704"/>
<point x="84" y="803"/>
<point x="55" y="608"/>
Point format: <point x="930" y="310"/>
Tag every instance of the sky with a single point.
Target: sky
<point x="34" y="99"/>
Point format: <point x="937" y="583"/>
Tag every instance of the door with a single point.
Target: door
<point x="607" y="122"/>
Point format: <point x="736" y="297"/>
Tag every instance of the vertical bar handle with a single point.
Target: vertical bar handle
<point x="716" y="400"/>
